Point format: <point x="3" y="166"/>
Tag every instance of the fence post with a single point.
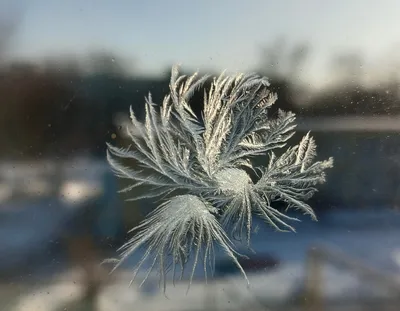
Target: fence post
<point x="313" y="286"/>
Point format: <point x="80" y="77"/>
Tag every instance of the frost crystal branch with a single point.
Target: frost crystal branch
<point x="201" y="167"/>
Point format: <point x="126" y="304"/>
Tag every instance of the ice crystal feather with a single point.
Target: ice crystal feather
<point x="207" y="159"/>
<point x="177" y="228"/>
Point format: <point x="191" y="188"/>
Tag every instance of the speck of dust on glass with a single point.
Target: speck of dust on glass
<point x="200" y="171"/>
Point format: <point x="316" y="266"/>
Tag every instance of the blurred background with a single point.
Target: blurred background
<point x="69" y="70"/>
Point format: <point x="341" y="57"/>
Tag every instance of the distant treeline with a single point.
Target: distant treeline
<point x="53" y="111"/>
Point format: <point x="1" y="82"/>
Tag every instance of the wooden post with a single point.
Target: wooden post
<point x="314" y="282"/>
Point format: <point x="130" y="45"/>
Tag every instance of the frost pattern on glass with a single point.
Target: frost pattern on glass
<point x="201" y="170"/>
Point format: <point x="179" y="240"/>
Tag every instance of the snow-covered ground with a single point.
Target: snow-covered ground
<point x="370" y="236"/>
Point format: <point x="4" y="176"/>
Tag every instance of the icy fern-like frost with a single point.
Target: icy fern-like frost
<point x="200" y="169"/>
<point x="195" y="229"/>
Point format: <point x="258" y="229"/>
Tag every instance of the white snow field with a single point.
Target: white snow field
<point x="371" y="237"/>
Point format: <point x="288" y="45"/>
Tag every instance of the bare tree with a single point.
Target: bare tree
<point x="280" y="61"/>
<point x="9" y="23"/>
<point x="347" y="67"/>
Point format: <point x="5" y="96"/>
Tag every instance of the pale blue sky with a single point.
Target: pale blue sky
<point x="203" y="34"/>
